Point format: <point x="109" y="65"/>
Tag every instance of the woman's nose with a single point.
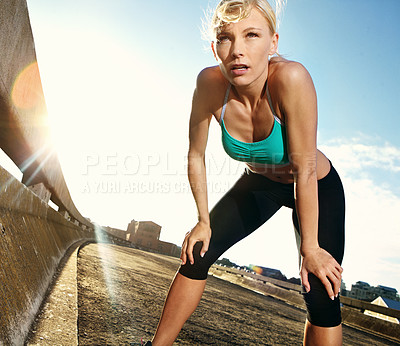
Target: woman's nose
<point x="237" y="49"/>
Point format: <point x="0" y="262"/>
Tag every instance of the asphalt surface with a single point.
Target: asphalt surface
<point x="120" y="293"/>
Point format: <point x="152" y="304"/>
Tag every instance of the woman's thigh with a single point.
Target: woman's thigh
<point x="331" y="215"/>
<point x="242" y="210"/>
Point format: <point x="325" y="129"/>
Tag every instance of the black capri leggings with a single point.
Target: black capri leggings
<point x="252" y="201"/>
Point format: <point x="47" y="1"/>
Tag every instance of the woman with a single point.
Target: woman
<point x="267" y="110"/>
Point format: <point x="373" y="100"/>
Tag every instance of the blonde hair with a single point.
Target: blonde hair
<point x="232" y="11"/>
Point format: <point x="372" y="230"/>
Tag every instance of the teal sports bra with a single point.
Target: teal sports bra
<point x="271" y="150"/>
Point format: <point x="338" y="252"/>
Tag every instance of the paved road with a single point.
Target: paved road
<point x="122" y="290"/>
<point x="121" y="293"/>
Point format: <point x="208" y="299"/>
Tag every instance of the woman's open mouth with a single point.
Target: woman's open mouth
<point x="239" y="69"/>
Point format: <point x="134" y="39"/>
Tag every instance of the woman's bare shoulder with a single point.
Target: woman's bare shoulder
<point x="211" y="78"/>
<point x="211" y="86"/>
<point x="287" y="72"/>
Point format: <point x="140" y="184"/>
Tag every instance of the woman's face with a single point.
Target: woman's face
<point x="242" y="49"/>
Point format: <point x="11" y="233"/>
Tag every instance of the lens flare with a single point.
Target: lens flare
<point x="106" y="255"/>
<point x="27" y="90"/>
<point x="256" y="269"/>
<point x="43" y="161"/>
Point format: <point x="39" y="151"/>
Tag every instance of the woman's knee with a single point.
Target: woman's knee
<point x="321" y="310"/>
<point x="199" y="269"/>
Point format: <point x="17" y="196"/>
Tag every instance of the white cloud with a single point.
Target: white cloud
<point x="358" y="154"/>
<point x="372" y="210"/>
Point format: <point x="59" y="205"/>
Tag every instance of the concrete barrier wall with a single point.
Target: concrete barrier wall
<point x="290" y="293"/>
<point x="258" y="283"/>
<point x="362" y="305"/>
<point x="24" y="131"/>
<point x="373" y="325"/>
<point x="354" y="303"/>
<point x="33" y="236"/>
<point x="33" y="239"/>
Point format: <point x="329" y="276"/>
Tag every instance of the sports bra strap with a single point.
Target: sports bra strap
<point x="225" y="102"/>
<point x="272" y="108"/>
<point x="269" y="102"/>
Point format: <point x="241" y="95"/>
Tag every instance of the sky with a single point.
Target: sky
<point x="118" y="78"/>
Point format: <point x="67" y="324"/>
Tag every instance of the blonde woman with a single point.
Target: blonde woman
<point x="267" y="109"/>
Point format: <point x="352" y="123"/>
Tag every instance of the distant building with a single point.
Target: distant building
<point x="294" y="280"/>
<point x="146" y="235"/>
<point x="169" y="249"/>
<point x="132" y="226"/>
<point x="117" y="232"/>
<point x="270" y="272"/>
<point x="388" y="303"/>
<point x="363" y="291"/>
<point x="386" y="292"/>
<point x="273" y="273"/>
<point x="343" y="291"/>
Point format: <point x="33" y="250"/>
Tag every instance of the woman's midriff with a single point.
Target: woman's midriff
<point x="284" y="174"/>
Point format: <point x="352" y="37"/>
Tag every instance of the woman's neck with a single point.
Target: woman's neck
<point x="250" y="95"/>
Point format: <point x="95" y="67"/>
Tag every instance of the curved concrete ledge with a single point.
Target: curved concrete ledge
<point x="24" y="130"/>
<point x="56" y="323"/>
<point x="33" y="239"/>
<point x="33" y="236"/>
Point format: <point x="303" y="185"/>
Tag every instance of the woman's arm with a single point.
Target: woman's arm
<point x="300" y="108"/>
<point x="198" y="133"/>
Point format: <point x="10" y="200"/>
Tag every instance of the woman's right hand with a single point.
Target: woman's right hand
<point x="200" y="233"/>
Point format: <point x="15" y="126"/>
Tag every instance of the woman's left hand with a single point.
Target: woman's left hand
<point x="321" y="263"/>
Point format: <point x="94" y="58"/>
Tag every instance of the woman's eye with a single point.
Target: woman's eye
<point x="222" y="39"/>
<point x="252" y="34"/>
